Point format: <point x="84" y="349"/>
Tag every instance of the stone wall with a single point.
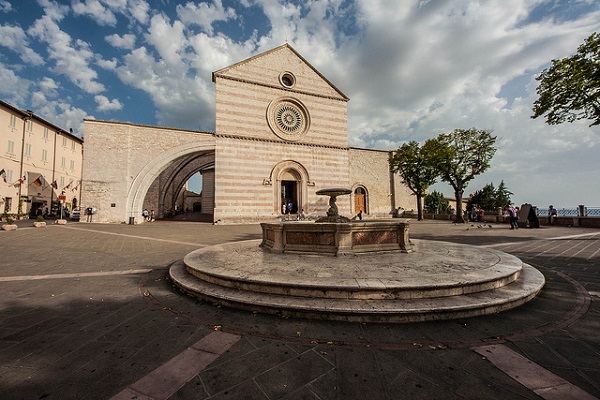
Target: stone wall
<point x="121" y="162"/>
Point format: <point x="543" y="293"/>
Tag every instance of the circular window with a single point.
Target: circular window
<point x="288" y="118"/>
<point x="287" y="79"/>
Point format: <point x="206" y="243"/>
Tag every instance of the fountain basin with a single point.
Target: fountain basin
<point x="336" y="238"/>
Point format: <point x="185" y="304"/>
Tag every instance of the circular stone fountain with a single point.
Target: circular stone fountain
<point x="366" y="271"/>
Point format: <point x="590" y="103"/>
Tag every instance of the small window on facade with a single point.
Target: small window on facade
<point x="44" y="155"/>
<point x="63" y="162"/>
<point x="11" y="147"/>
<point x="13" y="121"/>
<point x="28" y="150"/>
<point x="287" y="79"/>
<point x="46" y="134"/>
<point x="64" y="141"/>
<point x="72" y="165"/>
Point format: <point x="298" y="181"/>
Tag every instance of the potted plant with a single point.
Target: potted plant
<point x="39" y="222"/>
<point x="10" y="224"/>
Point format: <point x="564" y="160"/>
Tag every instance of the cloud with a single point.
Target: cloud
<point x="14" y="89"/>
<point x="105" y="105"/>
<point x="126" y="41"/>
<point x="15" y="39"/>
<point x="70" y="59"/>
<point x="204" y="14"/>
<point x="95" y="9"/>
<point x="5" y="6"/>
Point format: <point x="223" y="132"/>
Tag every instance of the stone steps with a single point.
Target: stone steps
<point x="500" y="286"/>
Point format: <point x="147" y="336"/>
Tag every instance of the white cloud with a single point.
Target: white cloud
<point x="5" y="6"/>
<point x="104" y="104"/>
<point x="70" y="60"/>
<point x="13" y="89"/>
<point x="126" y="41"/>
<point x="204" y="14"/>
<point x="15" y="39"/>
<point x="96" y="10"/>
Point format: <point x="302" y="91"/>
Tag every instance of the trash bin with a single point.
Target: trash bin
<point x="131" y="220"/>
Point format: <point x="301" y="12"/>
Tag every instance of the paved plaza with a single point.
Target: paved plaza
<point x="87" y="312"/>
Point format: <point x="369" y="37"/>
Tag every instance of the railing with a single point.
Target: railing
<point x="571" y="212"/>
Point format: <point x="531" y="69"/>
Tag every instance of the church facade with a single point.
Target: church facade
<point x="280" y="136"/>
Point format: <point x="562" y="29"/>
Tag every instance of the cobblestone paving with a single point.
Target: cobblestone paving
<point x="86" y="312"/>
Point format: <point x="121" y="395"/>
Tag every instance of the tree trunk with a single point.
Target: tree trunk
<point x="460" y="219"/>
<point x="419" y="208"/>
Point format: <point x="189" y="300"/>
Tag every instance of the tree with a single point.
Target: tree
<point x="414" y="166"/>
<point x="437" y="203"/>
<point x="490" y="198"/>
<point x="570" y="89"/>
<point x="459" y="156"/>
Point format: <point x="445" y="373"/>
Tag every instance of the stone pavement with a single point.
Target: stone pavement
<point x="86" y="312"/>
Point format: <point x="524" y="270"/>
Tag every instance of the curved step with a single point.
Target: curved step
<point x="492" y="301"/>
<point x="434" y="269"/>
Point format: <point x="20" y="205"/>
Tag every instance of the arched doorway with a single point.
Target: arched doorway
<point x="290" y="192"/>
<point x="360" y="200"/>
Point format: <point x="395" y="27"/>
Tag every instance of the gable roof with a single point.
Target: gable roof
<point x="235" y="71"/>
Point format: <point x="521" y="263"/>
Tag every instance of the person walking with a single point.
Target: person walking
<point x="513" y="217"/>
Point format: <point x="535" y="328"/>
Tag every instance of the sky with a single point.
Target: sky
<point x="412" y="69"/>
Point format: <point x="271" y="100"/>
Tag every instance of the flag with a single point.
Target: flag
<point x="3" y="174"/>
<point x="38" y="182"/>
<point x="54" y="185"/>
<point x="69" y="185"/>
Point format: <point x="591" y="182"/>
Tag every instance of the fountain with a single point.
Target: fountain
<point x="336" y="234"/>
<point x="368" y="271"/>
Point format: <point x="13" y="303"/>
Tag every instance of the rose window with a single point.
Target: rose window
<point x="288" y="118"/>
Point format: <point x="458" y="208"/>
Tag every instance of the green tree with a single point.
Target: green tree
<point x="459" y="156"/>
<point x="437" y="203"/>
<point x="414" y="166"/>
<point x="570" y="89"/>
<point x="503" y="196"/>
<point x="490" y="198"/>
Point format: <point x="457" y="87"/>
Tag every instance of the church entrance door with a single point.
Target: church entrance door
<point x="289" y="196"/>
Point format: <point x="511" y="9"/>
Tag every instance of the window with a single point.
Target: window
<point x="62" y="182"/>
<point x="45" y="155"/>
<point x="46" y="134"/>
<point x="11" y="147"/>
<point x="72" y="165"/>
<point x="64" y="142"/>
<point x="28" y="150"/>
<point x="9" y="175"/>
<point x="29" y="124"/>
<point x="72" y="146"/>
<point x="63" y="162"/>
<point x="13" y="121"/>
<point x="8" y="204"/>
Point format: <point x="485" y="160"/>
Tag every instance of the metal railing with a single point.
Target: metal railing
<point x="571" y="212"/>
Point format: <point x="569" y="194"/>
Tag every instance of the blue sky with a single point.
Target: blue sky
<point x="412" y="70"/>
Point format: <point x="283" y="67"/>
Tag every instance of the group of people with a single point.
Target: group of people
<point x="513" y="216"/>
<point x="148" y="216"/>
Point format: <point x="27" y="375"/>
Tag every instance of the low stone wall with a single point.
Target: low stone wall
<point x="584" y="222"/>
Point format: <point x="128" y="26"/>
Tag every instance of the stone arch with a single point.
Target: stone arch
<point x="147" y="175"/>
<point x="294" y="170"/>
<point x="177" y="175"/>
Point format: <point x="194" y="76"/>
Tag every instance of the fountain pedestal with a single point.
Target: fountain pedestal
<point x="336" y="238"/>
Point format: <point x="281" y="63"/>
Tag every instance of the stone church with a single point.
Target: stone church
<point x="281" y="135"/>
